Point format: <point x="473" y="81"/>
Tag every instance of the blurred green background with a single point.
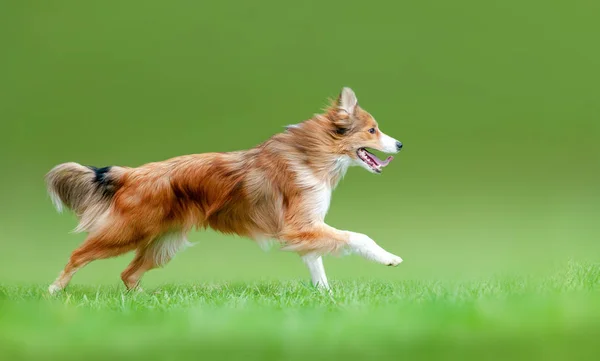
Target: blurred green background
<point x="495" y="101"/>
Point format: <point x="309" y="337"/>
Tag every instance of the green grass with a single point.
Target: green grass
<point x="552" y="317"/>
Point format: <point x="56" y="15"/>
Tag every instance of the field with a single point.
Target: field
<point x="553" y="318"/>
<point x="493" y="203"/>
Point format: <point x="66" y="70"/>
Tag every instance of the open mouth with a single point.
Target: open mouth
<point x="372" y="161"/>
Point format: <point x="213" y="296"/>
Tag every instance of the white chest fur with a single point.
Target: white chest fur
<point x="319" y="199"/>
<point x="316" y="193"/>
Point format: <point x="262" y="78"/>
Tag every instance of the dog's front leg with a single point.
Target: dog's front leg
<point x="314" y="262"/>
<point x="363" y="245"/>
<point x="322" y="239"/>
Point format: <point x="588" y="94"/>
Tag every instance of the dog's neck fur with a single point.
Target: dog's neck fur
<point x="311" y="146"/>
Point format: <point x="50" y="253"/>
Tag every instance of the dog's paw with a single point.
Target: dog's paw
<point x="394" y="261"/>
<point x="54" y="289"/>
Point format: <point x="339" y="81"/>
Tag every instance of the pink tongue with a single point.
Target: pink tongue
<point x="380" y="162"/>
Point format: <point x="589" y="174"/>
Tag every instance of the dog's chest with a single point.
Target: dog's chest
<point x="315" y="194"/>
<point x="318" y="199"/>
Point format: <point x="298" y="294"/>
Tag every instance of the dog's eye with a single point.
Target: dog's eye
<point x="372" y="130"/>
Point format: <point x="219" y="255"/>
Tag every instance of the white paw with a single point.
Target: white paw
<point x="322" y="286"/>
<point x="53" y="289"/>
<point x="394" y="261"/>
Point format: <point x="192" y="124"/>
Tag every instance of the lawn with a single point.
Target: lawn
<point x="552" y="317"/>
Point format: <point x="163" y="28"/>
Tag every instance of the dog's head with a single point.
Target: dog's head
<point x="356" y="130"/>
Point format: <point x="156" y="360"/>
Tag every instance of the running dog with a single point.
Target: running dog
<point x="278" y="191"/>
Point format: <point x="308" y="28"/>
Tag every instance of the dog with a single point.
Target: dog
<point x="278" y="192"/>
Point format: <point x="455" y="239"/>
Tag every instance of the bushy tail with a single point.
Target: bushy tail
<point x="88" y="191"/>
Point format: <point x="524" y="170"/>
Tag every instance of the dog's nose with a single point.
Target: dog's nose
<point x="398" y="145"/>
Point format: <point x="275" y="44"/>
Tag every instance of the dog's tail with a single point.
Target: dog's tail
<point x="88" y="191"/>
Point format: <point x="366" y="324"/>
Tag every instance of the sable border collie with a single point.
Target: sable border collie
<point x="278" y="191"/>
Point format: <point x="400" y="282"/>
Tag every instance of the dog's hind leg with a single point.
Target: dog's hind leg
<point x="141" y="263"/>
<point x="314" y="262"/>
<point x="156" y="254"/>
<point x="93" y="248"/>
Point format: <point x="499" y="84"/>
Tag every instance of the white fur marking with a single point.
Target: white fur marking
<point x="265" y="243"/>
<point x="366" y="247"/>
<point x="316" y="269"/>
<point x="318" y="192"/>
<point x="93" y="217"/>
<point x="322" y="201"/>
<point x="388" y="144"/>
<point x="53" y="289"/>
<point x="292" y="126"/>
<point x="341" y="165"/>
<point x="58" y="204"/>
<point x="164" y="248"/>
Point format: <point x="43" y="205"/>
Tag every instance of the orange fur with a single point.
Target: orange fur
<point x="277" y="190"/>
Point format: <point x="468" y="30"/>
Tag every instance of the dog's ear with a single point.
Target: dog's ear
<point x="347" y="101"/>
<point x="342" y="113"/>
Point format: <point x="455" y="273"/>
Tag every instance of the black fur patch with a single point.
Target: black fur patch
<point x="102" y="179"/>
<point x="101" y="175"/>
